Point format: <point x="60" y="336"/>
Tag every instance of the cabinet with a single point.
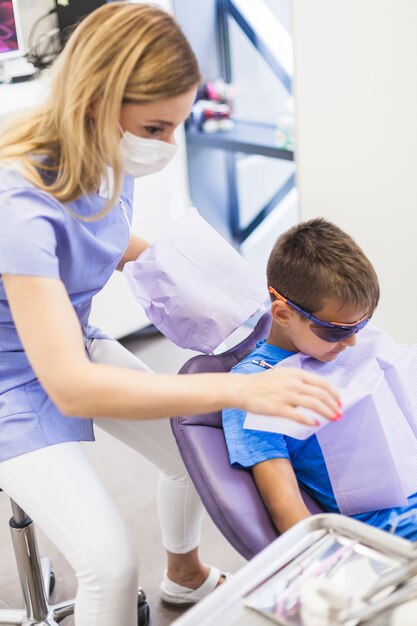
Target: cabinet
<point x="246" y="138"/>
<point x="241" y="180"/>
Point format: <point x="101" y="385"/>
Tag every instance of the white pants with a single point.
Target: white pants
<point x="60" y="490"/>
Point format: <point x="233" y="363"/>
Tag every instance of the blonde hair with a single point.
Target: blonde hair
<point x="121" y="52"/>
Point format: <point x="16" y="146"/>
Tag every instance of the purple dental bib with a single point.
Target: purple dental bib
<point x="195" y="288"/>
<point x="371" y="453"/>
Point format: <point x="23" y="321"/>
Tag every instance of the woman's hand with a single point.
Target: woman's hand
<point x="284" y="390"/>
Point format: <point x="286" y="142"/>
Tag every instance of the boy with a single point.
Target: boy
<point x="324" y="291"/>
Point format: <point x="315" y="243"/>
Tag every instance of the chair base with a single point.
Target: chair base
<point x="37" y="581"/>
<point x="57" y="612"/>
<point x="49" y="615"/>
<point x="19" y="618"/>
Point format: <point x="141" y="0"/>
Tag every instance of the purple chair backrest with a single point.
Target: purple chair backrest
<point x="229" y="494"/>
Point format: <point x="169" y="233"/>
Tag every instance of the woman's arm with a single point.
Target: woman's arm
<point x="135" y="248"/>
<point x="277" y="484"/>
<point x="51" y="335"/>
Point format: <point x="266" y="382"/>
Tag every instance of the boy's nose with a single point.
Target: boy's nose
<point x="350" y="341"/>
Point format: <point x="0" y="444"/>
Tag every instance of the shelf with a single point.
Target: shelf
<point x="246" y="137"/>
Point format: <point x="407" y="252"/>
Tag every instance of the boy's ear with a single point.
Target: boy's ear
<point x="281" y="313"/>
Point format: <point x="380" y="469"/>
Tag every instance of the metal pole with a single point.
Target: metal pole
<point x="28" y="564"/>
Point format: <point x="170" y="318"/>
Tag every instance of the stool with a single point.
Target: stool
<point x="38" y="581"/>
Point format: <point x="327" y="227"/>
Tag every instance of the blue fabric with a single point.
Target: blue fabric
<point x="248" y="447"/>
<point x="40" y="237"/>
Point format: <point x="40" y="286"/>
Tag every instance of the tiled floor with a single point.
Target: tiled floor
<point x="131" y="480"/>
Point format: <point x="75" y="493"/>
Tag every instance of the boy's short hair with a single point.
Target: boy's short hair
<point x="315" y="261"/>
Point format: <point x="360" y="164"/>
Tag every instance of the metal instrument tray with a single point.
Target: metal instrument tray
<point x="352" y="554"/>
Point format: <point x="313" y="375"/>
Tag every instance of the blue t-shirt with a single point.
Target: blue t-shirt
<point x="40" y="237"/>
<point x="248" y="447"/>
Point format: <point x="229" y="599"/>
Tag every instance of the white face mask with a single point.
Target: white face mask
<point x="144" y="156"/>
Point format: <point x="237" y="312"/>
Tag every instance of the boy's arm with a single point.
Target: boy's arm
<point x="135" y="248"/>
<point x="279" y="490"/>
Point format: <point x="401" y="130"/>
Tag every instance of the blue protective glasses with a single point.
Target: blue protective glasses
<point x="328" y="331"/>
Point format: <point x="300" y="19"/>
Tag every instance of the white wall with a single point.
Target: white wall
<point x="30" y="11"/>
<point x="356" y="97"/>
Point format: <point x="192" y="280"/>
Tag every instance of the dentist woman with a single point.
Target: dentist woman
<point x="126" y="79"/>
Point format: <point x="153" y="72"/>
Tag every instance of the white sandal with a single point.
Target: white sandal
<point x="172" y="593"/>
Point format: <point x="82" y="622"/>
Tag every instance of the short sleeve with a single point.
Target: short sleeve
<point x="247" y="447"/>
<point x="31" y="224"/>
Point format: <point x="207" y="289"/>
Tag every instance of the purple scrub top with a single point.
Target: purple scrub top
<point x="40" y="237"/>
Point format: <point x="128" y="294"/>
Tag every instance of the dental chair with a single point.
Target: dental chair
<point x="38" y="581"/>
<point x="229" y="494"/>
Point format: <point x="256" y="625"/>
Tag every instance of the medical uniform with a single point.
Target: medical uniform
<point x="248" y="447"/>
<point x="42" y="464"/>
<point x="40" y="237"/>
